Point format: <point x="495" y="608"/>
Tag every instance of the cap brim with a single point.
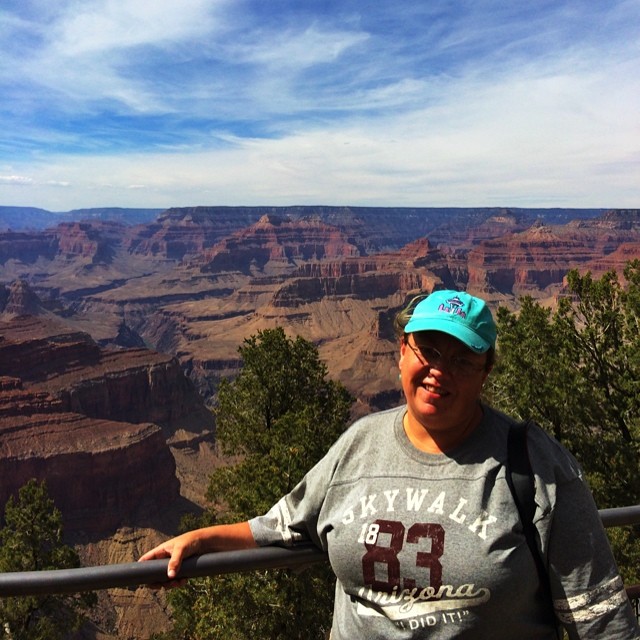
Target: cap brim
<point x="448" y="324"/>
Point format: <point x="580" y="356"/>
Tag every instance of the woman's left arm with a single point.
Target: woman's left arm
<point x="589" y="597"/>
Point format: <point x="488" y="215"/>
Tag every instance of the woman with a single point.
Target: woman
<point x="414" y="509"/>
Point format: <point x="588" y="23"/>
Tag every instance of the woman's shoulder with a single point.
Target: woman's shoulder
<point x="549" y="458"/>
<point x="546" y="452"/>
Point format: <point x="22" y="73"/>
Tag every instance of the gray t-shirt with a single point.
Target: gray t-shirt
<point x="431" y="545"/>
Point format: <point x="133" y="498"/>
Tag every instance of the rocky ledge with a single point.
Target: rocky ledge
<point x="103" y="428"/>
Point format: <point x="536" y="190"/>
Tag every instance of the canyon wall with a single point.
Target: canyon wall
<point x="98" y="425"/>
<point x="123" y="435"/>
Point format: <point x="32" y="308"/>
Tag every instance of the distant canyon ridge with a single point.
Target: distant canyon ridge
<point x="194" y="282"/>
<point x="116" y="327"/>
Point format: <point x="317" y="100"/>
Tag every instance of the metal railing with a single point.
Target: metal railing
<point x="132" y="574"/>
<point x="152" y="572"/>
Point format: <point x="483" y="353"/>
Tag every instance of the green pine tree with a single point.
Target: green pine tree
<point x="576" y="371"/>
<point x="31" y="540"/>
<point x="277" y="418"/>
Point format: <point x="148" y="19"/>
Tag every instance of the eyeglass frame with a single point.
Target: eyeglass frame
<point x="456" y="366"/>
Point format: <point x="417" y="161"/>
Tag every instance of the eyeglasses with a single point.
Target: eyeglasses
<point x="457" y="365"/>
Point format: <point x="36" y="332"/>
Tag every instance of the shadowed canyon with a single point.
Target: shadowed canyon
<point x="114" y="337"/>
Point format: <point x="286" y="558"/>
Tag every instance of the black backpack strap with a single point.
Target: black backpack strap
<point x="521" y="482"/>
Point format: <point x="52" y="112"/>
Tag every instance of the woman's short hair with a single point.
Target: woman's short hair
<point x="402" y="317"/>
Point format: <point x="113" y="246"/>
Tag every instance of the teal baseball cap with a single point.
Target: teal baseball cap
<point x="458" y="314"/>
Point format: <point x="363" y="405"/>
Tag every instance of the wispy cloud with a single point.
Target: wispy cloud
<point x="293" y="48"/>
<point x="95" y="27"/>
<point x="16" y="180"/>
<point x="231" y="101"/>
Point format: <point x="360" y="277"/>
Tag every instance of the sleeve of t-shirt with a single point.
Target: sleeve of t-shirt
<point x="588" y="593"/>
<point x="294" y="517"/>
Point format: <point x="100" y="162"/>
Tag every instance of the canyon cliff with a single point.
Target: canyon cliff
<point x="121" y="437"/>
<point x="114" y="337"/>
<point x="197" y="281"/>
<point x="101" y="426"/>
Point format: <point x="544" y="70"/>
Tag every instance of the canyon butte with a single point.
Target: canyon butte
<point x="114" y="337"/>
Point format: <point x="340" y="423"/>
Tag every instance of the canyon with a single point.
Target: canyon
<point x="121" y="437"/>
<point x="115" y="336"/>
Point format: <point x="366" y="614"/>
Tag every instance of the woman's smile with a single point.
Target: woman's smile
<point x="434" y="390"/>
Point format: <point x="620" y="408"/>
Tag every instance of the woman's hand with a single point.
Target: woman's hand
<point x="226" y="537"/>
<point x="176" y="549"/>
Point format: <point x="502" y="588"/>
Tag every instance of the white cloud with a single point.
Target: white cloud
<point x="295" y="48"/>
<point x="108" y="25"/>
<point x="469" y="107"/>
<point x="17" y="180"/>
<point x="546" y="140"/>
<point x="88" y="52"/>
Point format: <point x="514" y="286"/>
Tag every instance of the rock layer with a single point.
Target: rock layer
<point x="96" y="424"/>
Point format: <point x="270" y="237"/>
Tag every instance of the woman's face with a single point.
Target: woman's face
<point x="441" y="379"/>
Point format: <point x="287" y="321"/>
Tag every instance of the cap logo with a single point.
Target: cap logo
<point x="454" y="306"/>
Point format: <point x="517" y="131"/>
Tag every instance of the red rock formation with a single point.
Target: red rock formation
<point x="502" y="221"/>
<point x="541" y="256"/>
<point x="414" y="267"/>
<point x="185" y="232"/>
<point x="615" y="219"/>
<point x="94" y="424"/>
<point x="200" y="280"/>
<point x="280" y="243"/>
<point x="101" y="474"/>
<point x="182" y="232"/>
<point x="19" y="299"/>
<point x="94" y="241"/>
<point x="614" y="261"/>
<point x="27" y="247"/>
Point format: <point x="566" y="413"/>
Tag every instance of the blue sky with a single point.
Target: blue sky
<point x="354" y="102"/>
